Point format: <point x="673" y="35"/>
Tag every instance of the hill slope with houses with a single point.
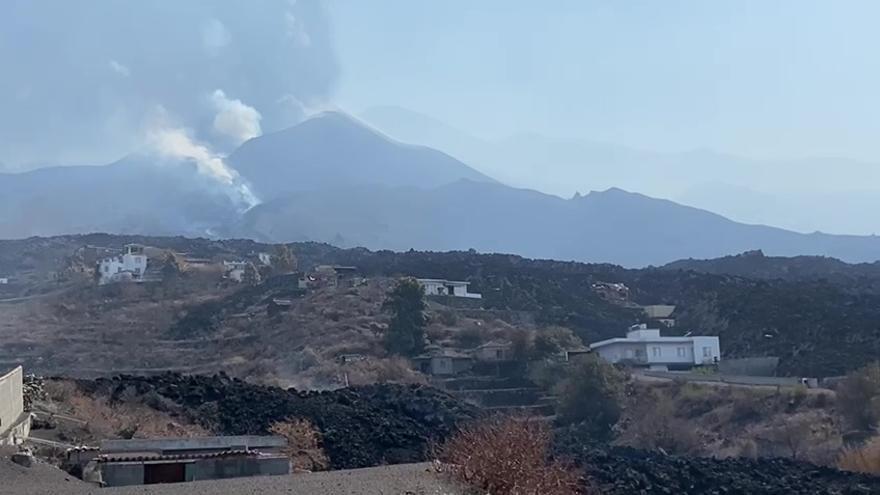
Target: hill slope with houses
<point x="816" y="326"/>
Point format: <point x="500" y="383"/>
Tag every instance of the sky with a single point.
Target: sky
<point x="90" y="82"/>
<point x="780" y="79"/>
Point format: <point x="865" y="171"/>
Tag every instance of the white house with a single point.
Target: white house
<point x="644" y="346"/>
<point x="130" y="265"/>
<point x="4" y="280"/>
<point x="438" y="287"/>
<point x="234" y="270"/>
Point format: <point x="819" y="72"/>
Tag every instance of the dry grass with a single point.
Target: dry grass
<point x="506" y="456"/>
<point x="104" y="420"/>
<point x="303" y="444"/>
<point x="864" y="459"/>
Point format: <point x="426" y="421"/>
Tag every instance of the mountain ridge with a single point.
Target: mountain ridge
<point x="335" y="179"/>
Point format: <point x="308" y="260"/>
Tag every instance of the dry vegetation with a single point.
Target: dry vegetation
<point x="303" y="444"/>
<point x="727" y="421"/>
<point x="864" y="459"/>
<point x="506" y="456"/>
<point x="102" y="419"/>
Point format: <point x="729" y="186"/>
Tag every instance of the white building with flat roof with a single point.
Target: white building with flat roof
<point x="644" y="346"/>
<point x="439" y="287"/>
<point x="128" y="266"/>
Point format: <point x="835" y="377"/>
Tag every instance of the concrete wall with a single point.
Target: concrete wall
<point x="11" y="399"/>
<point x="238" y="467"/>
<point x="122" y="473"/>
<point x="132" y="473"/>
<point x="757" y="366"/>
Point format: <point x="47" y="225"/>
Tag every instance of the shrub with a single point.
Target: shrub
<point x="303" y="444"/>
<point x="553" y="340"/>
<point x="794" y="436"/>
<point x="746" y="408"/>
<point x="653" y="425"/>
<point x="864" y="459"/>
<point x="858" y="397"/>
<point x="591" y="394"/>
<point x="506" y="456"/>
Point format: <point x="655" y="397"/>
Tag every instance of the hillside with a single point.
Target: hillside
<point x="817" y="326"/>
<point x="755" y="264"/>
<point x="786" y="195"/>
<point x="334" y="179"/>
<point x="613" y="226"/>
<point x="138" y="195"/>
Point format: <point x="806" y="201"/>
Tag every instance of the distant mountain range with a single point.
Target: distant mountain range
<point x="804" y="195"/>
<point x="335" y="179"/>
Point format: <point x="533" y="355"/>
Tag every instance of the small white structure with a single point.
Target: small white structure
<point x="644" y="346"/>
<point x="438" y="287"/>
<point x="234" y="270"/>
<point x="265" y="258"/>
<point x="129" y="266"/>
<point x="4" y="280"/>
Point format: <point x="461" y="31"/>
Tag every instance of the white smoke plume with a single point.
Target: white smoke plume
<point x="176" y="143"/>
<point x="235" y="120"/>
<point x="87" y="104"/>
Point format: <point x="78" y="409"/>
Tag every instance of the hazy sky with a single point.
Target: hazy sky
<point x="760" y="78"/>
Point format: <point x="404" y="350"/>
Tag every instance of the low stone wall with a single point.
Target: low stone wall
<point x="754" y="366"/>
<point x="756" y="381"/>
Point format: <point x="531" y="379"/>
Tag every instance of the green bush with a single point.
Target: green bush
<point x="591" y="395"/>
<point x="858" y="397"/>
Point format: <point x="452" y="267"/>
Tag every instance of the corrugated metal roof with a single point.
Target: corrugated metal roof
<point x="146" y="457"/>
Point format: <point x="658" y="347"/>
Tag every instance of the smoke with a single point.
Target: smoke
<point x="78" y="78"/>
<point x="235" y="120"/>
<point x="177" y="144"/>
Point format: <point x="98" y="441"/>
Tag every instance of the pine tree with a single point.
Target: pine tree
<point x="406" y="333"/>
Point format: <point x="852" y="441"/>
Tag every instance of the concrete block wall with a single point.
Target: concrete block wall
<point x="11" y="399"/>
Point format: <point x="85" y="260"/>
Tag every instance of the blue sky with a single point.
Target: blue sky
<point x="789" y="78"/>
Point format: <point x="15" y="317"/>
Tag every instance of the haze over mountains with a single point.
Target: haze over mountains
<point x="334" y="179"/>
<point x="779" y="192"/>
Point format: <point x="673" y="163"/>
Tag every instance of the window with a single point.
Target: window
<point x="656" y="351"/>
<point x="680" y="352"/>
<point x="499" y="354"/>
<point x="707" y="352"/>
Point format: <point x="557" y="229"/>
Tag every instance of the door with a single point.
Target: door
<point x="164" y="473"/>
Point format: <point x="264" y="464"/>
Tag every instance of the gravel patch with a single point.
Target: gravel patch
<point x="409" y="479"/>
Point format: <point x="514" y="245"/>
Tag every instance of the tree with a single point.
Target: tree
<point x="591" y="395"/>
<point x="283" y="260"/>
<point x="406" y="332"/>
<point x="795" y="436"/>
<point x="858" y="397"/>
<point x="554" y="340"/>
